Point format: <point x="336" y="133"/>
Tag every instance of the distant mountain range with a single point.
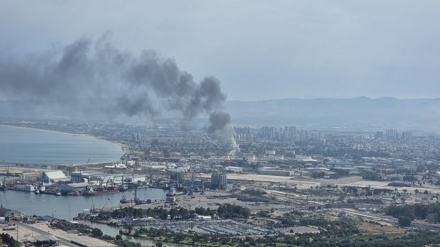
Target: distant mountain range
<point x="355" y="113"/>
<point x="360" y="113"/>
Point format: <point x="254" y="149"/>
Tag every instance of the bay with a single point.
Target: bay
<point x="67" y="207"/>
<point x="42" y="147"/>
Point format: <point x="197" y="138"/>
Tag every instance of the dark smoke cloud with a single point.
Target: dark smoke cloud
<point x="143" y="85"/>
<point x="218" y="120"/>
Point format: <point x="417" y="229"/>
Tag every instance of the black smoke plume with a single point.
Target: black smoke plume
<point x="145" y="84"/>
<point x="218" y="120"/>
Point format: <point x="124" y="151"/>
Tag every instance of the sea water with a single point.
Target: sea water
<point x="33" y="146"/>
<point x="67" y="207"/>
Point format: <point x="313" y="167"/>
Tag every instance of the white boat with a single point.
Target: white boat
<point x="173" y="192"/>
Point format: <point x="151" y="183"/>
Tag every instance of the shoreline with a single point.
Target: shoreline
<point x="122" y="146"/>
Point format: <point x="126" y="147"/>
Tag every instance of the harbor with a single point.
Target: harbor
<point x="67" y="207"/>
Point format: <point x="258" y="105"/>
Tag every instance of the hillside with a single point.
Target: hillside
<point x="361" y="112"/>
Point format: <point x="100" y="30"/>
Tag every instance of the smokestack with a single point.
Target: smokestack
<point x="134" y="85"/>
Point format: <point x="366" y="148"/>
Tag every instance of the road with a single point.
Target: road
<point x="36" y="231"/>
<point x="380" y="217"/>
<point x="26" y="230"/>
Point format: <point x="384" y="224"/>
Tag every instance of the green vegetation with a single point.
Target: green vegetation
<point x="126" y="243"/>
<point x="341" y="231"/>
<point x="254" y="192"/>
<point x="97" y="233"/>
<point x="225" y="211"/>
<point x="9" y="240"/>
<point x="366" y="200"/>
<point x="158" y="213"/>
<point x="416" y="211"/>
<point x="399" y="184"/>
<point x="404" y="221"/>
<point x="342" y="226"/>
<point x="186" y="238"/>
<point x="370" y="175"/>
<point x="229" y="211"/>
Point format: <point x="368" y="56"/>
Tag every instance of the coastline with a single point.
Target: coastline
<point x="123" y="147"/>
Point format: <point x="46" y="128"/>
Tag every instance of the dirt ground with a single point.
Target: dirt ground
<point x="375" y="228"/>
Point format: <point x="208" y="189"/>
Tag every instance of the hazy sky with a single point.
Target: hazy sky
<point x="257" y="49"/>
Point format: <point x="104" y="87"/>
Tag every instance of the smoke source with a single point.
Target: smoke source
<point x="143" y="85"/>
<point x="228" y="133"/>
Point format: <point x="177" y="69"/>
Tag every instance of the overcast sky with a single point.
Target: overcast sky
<point x="257" y="49"/>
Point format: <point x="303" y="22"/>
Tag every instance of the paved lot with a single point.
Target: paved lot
<point x="31" y="231"/>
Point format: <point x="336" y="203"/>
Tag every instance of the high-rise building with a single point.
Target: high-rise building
<point x="406" y="135"/>
<point x="378" y="134"/>
<point x="137" y="137"/>
<point x="392" y="134"/>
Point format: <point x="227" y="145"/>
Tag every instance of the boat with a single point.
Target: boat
<point x="74" y="193"/>
<point x="123" y="187"/>
<point x="173" y="192"/>
<point x="124" y="200"/>
<point x="37" y="191"/>
<point x="58" y="193"/>
<point x="24" y="187"/>
<point x="89" y="191"/>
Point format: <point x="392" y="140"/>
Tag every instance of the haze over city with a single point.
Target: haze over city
<point x="257" y="49"/>
<point x="219" y="123"/>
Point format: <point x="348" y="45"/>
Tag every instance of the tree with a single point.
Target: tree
<point x="404" y="221"/>
<point x="7" y="239"/>
<point x="96" y="232"/>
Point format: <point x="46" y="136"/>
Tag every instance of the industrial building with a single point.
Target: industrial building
<point x="274" y="171"/>
<point x="50" y="177"/>
<point x="219" y="181"/>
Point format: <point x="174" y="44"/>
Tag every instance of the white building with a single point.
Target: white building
<point x="53" y="177"/>
<point x="234" y="169"/>
<point x="203" y="217"/>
